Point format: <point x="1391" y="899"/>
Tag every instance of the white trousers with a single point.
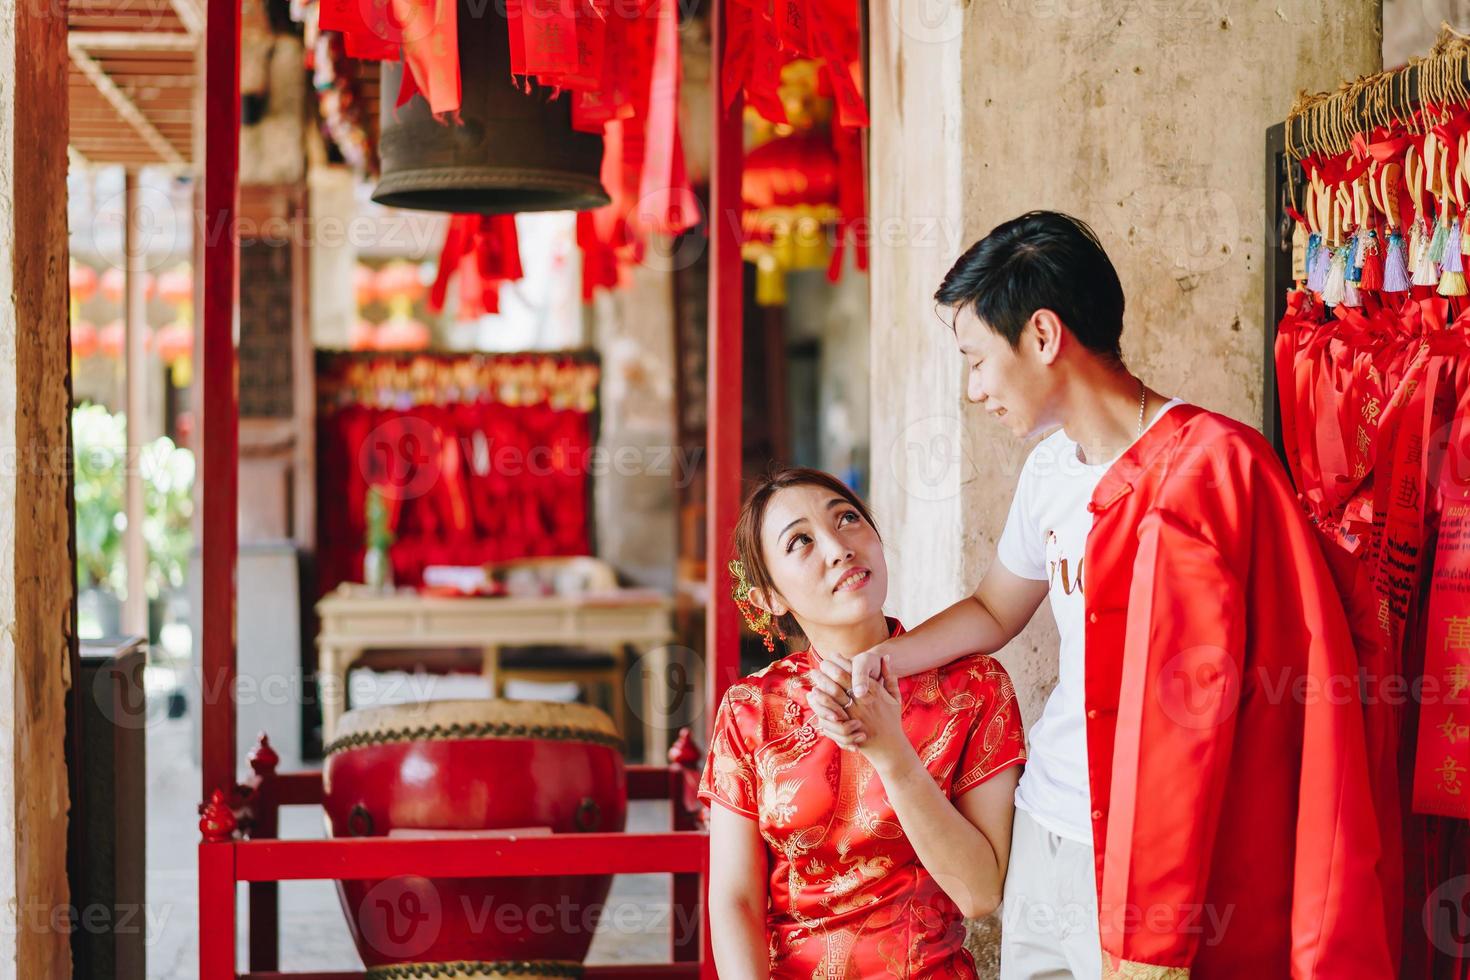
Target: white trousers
<point x="1049" y="914"/>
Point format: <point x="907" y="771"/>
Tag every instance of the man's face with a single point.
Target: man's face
<point x="1012" y="385"/>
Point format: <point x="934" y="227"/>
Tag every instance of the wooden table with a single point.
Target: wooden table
<point x="356" y="620"/>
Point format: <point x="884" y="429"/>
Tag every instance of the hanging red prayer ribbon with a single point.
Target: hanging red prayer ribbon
<point x="666" y="204"/>
<point x="429" y="31"/>
<point x="550" y="34"/>
<point x="484" y="251"/>
<point x="1442" y="752"/>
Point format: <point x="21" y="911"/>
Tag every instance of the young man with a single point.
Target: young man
<point x="1196" y="802"/>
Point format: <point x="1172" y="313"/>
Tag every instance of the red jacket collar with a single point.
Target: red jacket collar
<point x="1146" y="452"/>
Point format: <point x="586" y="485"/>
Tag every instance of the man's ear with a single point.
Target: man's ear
<point x="1047" y="334"/>
<point x="770" y="603"/>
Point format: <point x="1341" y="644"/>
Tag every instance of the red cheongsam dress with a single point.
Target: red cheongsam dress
<point x="848" y="898"/>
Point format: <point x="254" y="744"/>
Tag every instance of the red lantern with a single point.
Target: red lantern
<point x="399" y="279"/>
<point x="82" y="281"/>
<point x="83" y="339"/>
<point x="789" y="171"/>
<point x="114" y="284"/>
<point x="174" y="342"/>
<point x="363" y="335"/>
<point x="176" y="286"/>
<point x="112" y="339"/>
<point x="402" y="333"/>
<point x="537" y="768"/>
<point x="365" y="285"/>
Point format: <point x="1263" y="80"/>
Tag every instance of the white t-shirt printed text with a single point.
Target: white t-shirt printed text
<point x="1045" y="539"/>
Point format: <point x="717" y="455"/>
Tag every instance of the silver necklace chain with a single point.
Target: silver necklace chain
<point x="1142" y="402"/>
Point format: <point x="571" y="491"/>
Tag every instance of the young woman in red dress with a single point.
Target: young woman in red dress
<point x="830" y="864"/>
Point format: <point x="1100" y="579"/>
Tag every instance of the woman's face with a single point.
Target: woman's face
<point x="825" y="561"/>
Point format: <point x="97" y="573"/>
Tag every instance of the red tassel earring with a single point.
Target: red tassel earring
<point x="760" y="622"/>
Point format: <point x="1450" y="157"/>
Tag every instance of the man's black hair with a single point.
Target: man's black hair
<point x="1041" y="260"/>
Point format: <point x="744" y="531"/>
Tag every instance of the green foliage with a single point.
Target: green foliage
<point x="378" y="534"/>
<point x="101" y="460"/>
<point x="99" y="444"/>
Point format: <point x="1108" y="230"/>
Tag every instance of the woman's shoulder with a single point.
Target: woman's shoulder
<point x="773" y="695"/>
<point x="977" y="673"/>
<point x="782" y="678"/>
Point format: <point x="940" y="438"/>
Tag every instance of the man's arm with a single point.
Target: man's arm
<point x="1002" y="605"/>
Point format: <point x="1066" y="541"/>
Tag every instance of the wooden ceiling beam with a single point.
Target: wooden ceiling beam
<point x="175" y="118"/>
<point x="133" y="41"/>
<point x="182" y="83"/>
<point x="189" y="15"/>
<point x="124" y="106"/>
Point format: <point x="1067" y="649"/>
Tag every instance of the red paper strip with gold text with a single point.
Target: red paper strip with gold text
<point x="1401" y="500"/>
<point x="1300" y="311"/>
<point x="762" y="78"/>
<point x="550" y="31"/>
<point x="429" y="30"/>
<point x="665" y="202"/>
<point x="515" y="18"/>
<point x="594" y="107"/>
<point x="739" y="38"/>
<point x="591" y="42"/>
<point x="1442" y="755"/>
<point x="834" y="38"/>
<point x="793" y="26"/>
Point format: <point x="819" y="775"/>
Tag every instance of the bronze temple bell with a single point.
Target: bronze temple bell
<point x="512" y="151"/>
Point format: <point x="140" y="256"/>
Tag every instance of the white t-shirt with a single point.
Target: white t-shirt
<point x="1044" y="539"/>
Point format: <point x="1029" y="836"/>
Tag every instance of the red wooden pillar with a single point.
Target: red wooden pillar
<point x="726" y="394"/>
<point x="217" y="912"/>
<point x="218" y="428"/>
<point x="726" y="377"/>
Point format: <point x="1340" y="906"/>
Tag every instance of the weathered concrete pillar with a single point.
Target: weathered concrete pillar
<point x="1410" y="27"/>
<point x="36" y="578"/>
<point x="1144" y="117"/>
<point x="634" y="496"/>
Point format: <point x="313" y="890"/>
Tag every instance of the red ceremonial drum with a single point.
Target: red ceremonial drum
<point x="468" y="768"/>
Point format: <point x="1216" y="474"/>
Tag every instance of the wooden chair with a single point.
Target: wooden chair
<point x="606" y="669"/>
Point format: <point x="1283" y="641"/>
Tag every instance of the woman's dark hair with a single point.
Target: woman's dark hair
<point x="1041" y="260"/>
<point x="753" y="515"/>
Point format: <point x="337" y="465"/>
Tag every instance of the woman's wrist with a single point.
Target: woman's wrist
<point x="896" y="764"/>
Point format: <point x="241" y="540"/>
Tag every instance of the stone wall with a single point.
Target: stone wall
<point x="1411" y="26"/>
<point x="1145" y="118"/>
<point x="636" y="524"/>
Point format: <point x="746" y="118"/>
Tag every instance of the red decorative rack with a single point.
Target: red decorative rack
<point x="239" y="818"/>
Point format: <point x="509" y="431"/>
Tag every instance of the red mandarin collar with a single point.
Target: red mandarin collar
<point x="895" y="628"/>
<point x="1146" y="452"/>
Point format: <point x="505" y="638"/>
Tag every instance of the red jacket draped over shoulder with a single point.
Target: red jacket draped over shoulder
<point x="1232" y="816"/>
